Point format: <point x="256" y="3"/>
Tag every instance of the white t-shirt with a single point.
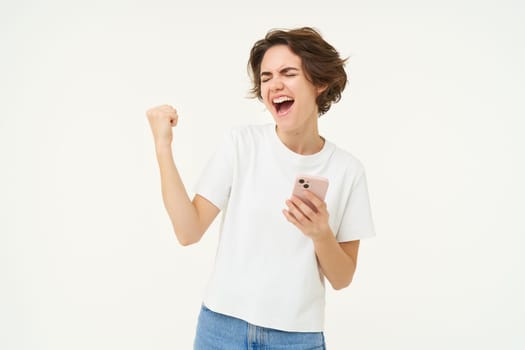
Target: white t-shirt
<point x="266" y="271"/>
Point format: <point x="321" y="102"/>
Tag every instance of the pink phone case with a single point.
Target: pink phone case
<point x="318" y="185"/>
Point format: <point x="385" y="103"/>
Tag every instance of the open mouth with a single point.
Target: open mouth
<point x="282" y="104"/>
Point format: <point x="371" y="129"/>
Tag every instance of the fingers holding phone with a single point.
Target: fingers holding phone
<point x="307" y="209"/>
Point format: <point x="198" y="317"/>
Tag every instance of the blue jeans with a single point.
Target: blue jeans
<point x="220" y="332"/>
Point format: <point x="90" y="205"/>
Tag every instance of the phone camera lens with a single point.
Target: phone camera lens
<point x="301" y="181"/>
<point x="306" y="185"/>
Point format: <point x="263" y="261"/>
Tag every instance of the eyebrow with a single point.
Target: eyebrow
<point x="282" y="71"/>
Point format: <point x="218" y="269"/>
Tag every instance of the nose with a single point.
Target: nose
<point x="276" y="84"/>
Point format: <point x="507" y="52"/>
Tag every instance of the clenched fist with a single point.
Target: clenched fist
<point x="161" y="120"/>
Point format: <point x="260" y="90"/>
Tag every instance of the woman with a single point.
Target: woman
<point x="267" y="287"/>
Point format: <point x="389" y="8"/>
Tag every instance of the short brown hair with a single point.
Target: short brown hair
<point x="321" y="62"/>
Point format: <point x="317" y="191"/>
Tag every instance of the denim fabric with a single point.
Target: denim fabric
<point x="220" y="332"/>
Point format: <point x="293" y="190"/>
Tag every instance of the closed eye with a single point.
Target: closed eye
<point x="287" y="72"/>
<point x="265" y="77"/>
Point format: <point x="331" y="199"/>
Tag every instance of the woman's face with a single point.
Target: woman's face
<point x="286" y="91"/>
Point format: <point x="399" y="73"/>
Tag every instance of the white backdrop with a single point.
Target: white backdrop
<point x="434" y="110"/>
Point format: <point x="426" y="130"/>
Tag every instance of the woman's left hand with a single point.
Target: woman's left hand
<point x="313" y="223"/>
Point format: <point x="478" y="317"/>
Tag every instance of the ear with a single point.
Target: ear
<point x="321" y="89"/>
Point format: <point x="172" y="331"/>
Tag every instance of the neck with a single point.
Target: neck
<point x="304" y="142"/>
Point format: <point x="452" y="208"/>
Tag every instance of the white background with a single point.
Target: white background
<point x="434" y="109"/>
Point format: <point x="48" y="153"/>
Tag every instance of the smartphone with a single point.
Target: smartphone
<point x="318" y="185"/>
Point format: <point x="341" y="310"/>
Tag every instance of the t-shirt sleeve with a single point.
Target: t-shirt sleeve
<point x="215" y="181"/>
<point x="357" y="220"/>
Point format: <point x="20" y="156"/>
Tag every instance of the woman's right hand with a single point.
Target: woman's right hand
<point x="161" y="120"/>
